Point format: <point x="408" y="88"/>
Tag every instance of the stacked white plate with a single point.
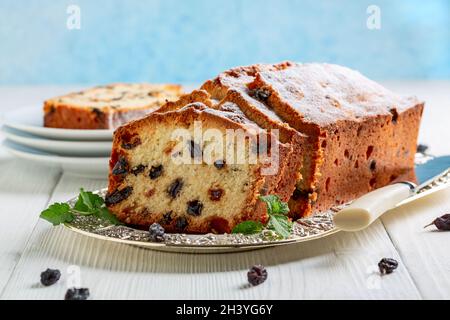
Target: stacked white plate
<point x="78" y="152"/>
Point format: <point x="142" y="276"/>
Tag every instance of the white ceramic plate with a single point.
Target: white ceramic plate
<point x="65" y="148"/>
<point x="30" y="120"/>
<point x="81" y="166"/>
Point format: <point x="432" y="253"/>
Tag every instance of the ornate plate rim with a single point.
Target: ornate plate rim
<point x="202" y="248"/>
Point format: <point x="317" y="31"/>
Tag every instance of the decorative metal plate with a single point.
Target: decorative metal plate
<point x="318" y="226"/>
<point x="306" y="229"/>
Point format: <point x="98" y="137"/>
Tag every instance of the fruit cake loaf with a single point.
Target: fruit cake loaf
<point x="233" y="83"/>
<point x="367" y="134"/>
<point x="107" y="107"/>
<point x="148" y="183"/>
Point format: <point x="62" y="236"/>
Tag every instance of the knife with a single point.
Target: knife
<point x="433" y="174"/>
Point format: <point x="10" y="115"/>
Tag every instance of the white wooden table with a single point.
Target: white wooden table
<point x="343" y="266"/>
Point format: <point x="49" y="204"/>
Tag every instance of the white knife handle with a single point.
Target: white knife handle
<point x="365" y="210"/>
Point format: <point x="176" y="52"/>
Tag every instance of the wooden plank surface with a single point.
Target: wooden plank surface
<point x="339" y="267"/>
<point x="24" y="189"/>
<point x="425" y="252"/>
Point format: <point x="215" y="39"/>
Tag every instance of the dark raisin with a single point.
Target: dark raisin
<point x="260" y="94"/>
<point x="387" y="265"/>
<point x="50" y="276"/>
<point x="122" y="95"/>
<point x="181" y="223"/>
<point x="300" y="194"/>
<point x="257" y="275"/>
<point x="394" y="115"/>
<point x="194" y="208"/>
<point x="118" y="196"/>
<point x="156" y="172"/>
<point x="167" y="217"/>
<point x="132" y="144"/>
<point x="77" y="294"/>
<point x="219" y="164"/>
<point x="138" y="169"/>
<point x="422" y="148"/>
<point x="215" y="194"/>
<point x="121" y="166"/>
<point x="100" y="115"/>
<point x="195" y="150"/>
<point x="156" y="233"/>
<point x="442" y="223"/>
<point x="373" y="165"/>
<point x="175" y="188"/>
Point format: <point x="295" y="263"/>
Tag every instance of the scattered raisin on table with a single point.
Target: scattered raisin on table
<point x="175" y="188"/>
<point x="442" y="223"/>
<point x="156" y="172"/>
<point x="50" y="277"/>
<point x="257" y="275"/>
<point x="387" y="265"/>
<point x="77" y="294"/>
<point x="195" y="208"/>
<point x="156" y="233"/>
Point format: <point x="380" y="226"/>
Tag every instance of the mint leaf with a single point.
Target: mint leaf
<point x="248" y="227"/>
<point x="57" y="213"/>
<point x="278" y="219"/>
<point x="104" y="214"/>
<point x="88" y="202"/>
<point x="275" y="205"/>
<point x="280" y="224"/>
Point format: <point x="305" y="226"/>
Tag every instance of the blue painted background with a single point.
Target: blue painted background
<point x="192" y="40"/>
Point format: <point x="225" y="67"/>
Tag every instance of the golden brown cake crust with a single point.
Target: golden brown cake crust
<point x="367" y="135"/>
<point x="107" y="107"/>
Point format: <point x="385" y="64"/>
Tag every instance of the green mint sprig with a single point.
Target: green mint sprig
<point x="279" y="221"/>
<point x="87" y="204"/>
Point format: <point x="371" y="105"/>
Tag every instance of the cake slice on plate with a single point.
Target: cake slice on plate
<point x="107" y="107"/>
<point x="195" y="169"/>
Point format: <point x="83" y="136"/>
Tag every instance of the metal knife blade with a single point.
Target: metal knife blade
<point x="433" y="174"/>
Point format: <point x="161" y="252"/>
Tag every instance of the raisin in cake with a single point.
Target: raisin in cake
<point x="148" y="183"/>
<point x="107" y="107"/>
<point x="361" y="135"/>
